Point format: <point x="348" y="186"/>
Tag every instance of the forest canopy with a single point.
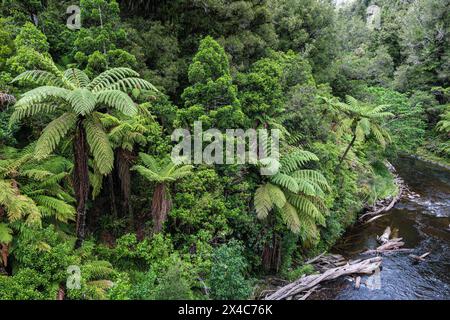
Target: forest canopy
<point x="87" y="114"/>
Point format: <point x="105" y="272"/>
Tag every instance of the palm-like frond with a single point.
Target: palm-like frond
<point x="5" y="234"/>
<point x="128" y="84"/>
<point x="77" y="77"/>
<point x="29" y="110"/>
<point x="40" y="77"/>
<point x="296" y="159"/>
<point x="118" y="100"/>
<point x="82" y="101"/>
<point x="53" y="133"/>
<point x="99" y="145"/>
<point x="42" y="94"/>
<point x="109" y="77"/>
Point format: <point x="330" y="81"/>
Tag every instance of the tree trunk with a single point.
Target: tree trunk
<point x="81" y="180"/>
<point x="346" y="151"/>
<point x="161" y="205"/>
<point x="112" y="195"/>
<point x="123" y="161"/>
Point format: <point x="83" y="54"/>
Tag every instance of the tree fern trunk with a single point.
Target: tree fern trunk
<point x="346" y="152"/>
<point x="160" y="207"/>
<point x="123" y="160"/>
<point x="112" y="195"/>
<point x="81" y="180"/>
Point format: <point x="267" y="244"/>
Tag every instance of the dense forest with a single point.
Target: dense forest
<point x="93" y="207"/>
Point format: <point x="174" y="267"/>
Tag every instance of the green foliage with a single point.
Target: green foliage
<point x="227" y="278"/>
<point x="408" y="126"/>
<point x="212" y="93"/>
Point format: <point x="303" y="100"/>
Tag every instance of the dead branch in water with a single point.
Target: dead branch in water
<point x="388" y="245"/>
<point x="420" y="258"/>
<point x="308" y="283"/>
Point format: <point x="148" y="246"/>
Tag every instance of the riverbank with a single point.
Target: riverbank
<point x="426" y="156"/>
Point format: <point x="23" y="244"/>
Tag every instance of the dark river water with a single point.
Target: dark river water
<point x="423" y="224"/>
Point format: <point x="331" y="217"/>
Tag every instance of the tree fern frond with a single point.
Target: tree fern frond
<point x="82" y="101"/>
<point x="28" y="110"/>
<point x="5" y="234"/>
<point x="312" y="176"/>
<point x="118" y="100"/>
<point x="128" y="84"/>
<point x="42" y="94"/>
<point x="53" y="133"/>
<point x="149" y="161"/>
<point x="147" y="173"/>
<point x="306" y="207"/>
<point x="296" y="159"/>
<point x="276" y="195"/>
<point x="36" y="174"/>
<point x="39" y="77"/>
<point x="263" y="202"/>
<point x="61" y="210"/>
<point x="285" y="181"/>
<point x="379" y="135"/>
<point x="290" y="216"/>
<point x="99" y="145"/>
<point x="111" y="76"/>
<point x="77" y="77"/>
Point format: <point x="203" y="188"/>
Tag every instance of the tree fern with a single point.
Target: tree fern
<point x="294" y="193"/>
<point x="73" y="93"/>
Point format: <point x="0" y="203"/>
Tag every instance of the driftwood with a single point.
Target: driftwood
<point x="304" y="285"/>
<point x="385" y="236"/>
<point x="420" y="258"/>
<point x="388" y="245"/>
<point x="357" y="282"/>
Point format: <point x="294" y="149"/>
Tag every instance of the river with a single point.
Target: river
<point x="423" y="224"/>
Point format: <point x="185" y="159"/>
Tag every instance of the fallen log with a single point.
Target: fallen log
<point x="307" y="283"/>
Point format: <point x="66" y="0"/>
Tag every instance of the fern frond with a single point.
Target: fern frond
<point x="28" y="110"/>
<point x="263" y="202"/>
<point x="289" y="215"/>
<point x="39" y="77"/>
<point x="147" y="173"/>
<point x="53" y="133"/>
<point x="77" y="77"/>
<point x="306" y="207"/>
<point x="110" y="77"/>
<point x="296" y="159"/>
<point x="42" y="93"/>
<point x="312" y="176"/>
<point x="82" y="101"/>
<point x="118" y="100"/>
<point x="60" y="209"/>
<point x="285" y="181"/>
<point x="5" y="234"/>
<point x="99" y="145"/>
<point x="128" y="84"/>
